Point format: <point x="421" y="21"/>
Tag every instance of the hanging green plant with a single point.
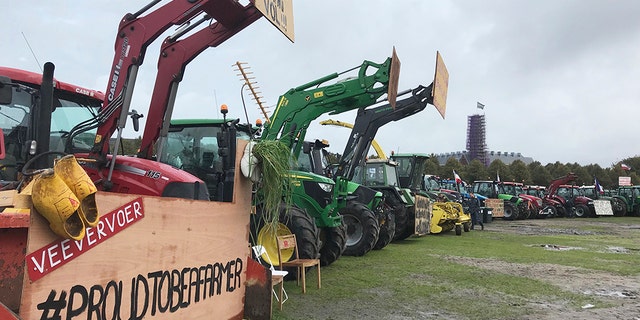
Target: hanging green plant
<point x="274" y="162"/>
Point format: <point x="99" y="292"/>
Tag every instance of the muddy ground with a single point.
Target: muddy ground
<point x="621" y="294"/>
<point x="618" y="297"/>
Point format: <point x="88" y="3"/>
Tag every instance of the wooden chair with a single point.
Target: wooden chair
<point x="277" y="276"/>
<point x="288" y="242"/>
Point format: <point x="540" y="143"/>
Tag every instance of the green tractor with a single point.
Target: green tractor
<point x="318" y="203"/>
<point x="630" y="195"/>
<point x="515" y="207"/>
<point x="354" y="166"/>
<point x="439" y="217"/>
<point x="365" y="232"/>
<point x="619" y="202"/>
<point x="383" y="175"/>
<point x="294" y="112"/>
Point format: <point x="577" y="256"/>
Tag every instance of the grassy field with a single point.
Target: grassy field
<point x="531" y="269"/>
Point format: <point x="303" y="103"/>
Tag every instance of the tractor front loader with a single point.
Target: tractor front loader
<point x="367" y="123"/>
<point x="322" y="199"/>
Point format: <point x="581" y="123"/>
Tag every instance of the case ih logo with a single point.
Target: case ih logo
<point x="124" y="51"/>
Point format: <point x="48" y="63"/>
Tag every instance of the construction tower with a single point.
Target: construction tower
<point x="476" y="145"/>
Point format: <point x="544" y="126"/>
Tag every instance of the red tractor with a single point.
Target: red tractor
<point x="571" y="202"/>
<point x="550" y="205"/>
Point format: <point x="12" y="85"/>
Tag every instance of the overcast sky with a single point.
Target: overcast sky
<point x="560" y="79"/>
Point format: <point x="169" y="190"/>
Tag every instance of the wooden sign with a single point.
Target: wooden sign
<point x="497" y="206"/>
<point x="423" y="209"/>
<point x="440" y="86"/>
<point x="148" y="257"/>
<point x="279" y="13"/>
<point x="603" y="207"/>
<point x="624" y="181"/>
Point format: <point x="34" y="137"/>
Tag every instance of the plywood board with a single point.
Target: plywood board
<point x="603" y="207"/>
<point x="423" y="209"/>
<point x="148" y="257"/>
<point x="497" y="206"/>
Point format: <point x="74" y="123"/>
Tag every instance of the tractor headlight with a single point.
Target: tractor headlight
<point x="326" y="187"/>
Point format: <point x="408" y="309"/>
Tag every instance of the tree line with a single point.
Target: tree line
<point x="535" y="173"/>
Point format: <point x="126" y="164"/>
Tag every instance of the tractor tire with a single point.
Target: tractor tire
<point x="510" y="211"/>
<point x="402" y="220"/>
<point x="362" y="228"/>
<point x="387" y="225"/>
<point x="582" y="211"/>
<point x="561" y="212"/>
<point x="296" y="221"/>
<point x="334" y="241"/>
<point x="458" y="230"/>
<point x="466" y="227"/>
<point x="307" y="235"/>
<point x="523" y="211"/>
<point x="409" y="225"/>
<point x="618" y="207"/>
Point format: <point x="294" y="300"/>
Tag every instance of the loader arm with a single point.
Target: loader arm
<point x="553" y="186"/>
<point x="367" y="123"/>
<point x="369" y="120"/>
<point x="297" y="108"/>
<point x="174" y="57"/>
<point x="135" y="34"/>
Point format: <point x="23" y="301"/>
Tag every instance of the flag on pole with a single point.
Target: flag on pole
<point x="480" y="106"/>
<point x="599" y="188"/>
<point x="625" y="167"/>
<point x="457" y="177"/>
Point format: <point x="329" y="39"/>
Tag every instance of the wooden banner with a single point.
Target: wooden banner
<point x="148" y="257"/>
<point x="423" y="209"/>
<point x="497" y="206"/>
<point x="603" y="207"/>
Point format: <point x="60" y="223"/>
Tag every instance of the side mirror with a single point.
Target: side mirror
<point x="135" y="117"/>
<point x="5" y="90"/>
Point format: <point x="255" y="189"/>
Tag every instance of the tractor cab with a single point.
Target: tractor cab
<point x="193" y="146"/>
<point x="21" y="100"/>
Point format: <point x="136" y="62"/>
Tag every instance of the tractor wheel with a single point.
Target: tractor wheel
<point x="582" y="211"/>
<point x="561" y="212"/>
<point x="387" y="223"/>
<point x="510" y="212"/>
<point x="402" y="219"/>
<point x="466" y="227"/>
<point x="334" y="241"/>
<point x="410" y="224"/>
<point x="362" y="228"/>
<point x="458" y="230"/>
<point x="618" y="207"/>
<point x="523" y="211"/>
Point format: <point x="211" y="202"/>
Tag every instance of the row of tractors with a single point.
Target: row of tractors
<point x="562" y="198"/>
<point x="350" y="208"/>
<point x="355" y="205"/>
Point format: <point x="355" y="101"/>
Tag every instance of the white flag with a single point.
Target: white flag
<point x="480" y="106"/>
